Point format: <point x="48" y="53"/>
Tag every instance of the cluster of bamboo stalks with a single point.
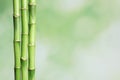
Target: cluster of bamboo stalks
<point x="24" y="16"/>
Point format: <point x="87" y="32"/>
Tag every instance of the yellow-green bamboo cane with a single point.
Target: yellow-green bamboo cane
<point x="24" y="38"/>
<point x="16" y="21"/>
<point x="31" y="46"/>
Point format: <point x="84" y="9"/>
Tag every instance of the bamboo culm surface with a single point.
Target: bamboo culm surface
<point x="24" y="39"/>
<point x="16" y="42"/>
<point x="31" y="45"/>
<point x="24" y="66"/>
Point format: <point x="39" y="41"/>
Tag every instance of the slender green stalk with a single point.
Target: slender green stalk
<point x="31" y="46"/>
<point x="16" y="18"/>
<point x="24" y="38"/>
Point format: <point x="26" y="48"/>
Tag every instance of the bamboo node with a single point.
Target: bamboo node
<point x="16" y="15"/>
<point x="16" y="40"/>
<point x="32" y="4"/>
<point x="24" y="8"/>
<point x="24" y="59"/>
<point x="31" y="45"/>
<point x="30" y="69"/>
<point x="32" y="23"/>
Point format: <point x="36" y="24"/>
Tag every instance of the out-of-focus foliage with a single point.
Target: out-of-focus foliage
<point x="74" y="39"/>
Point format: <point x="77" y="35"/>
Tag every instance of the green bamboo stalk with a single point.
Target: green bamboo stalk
<point x="16" y="18"/>
<point x="31" y="46"/>
<point x="24" y="38"/>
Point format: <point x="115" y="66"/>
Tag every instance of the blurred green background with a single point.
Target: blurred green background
<point x="76" y="40"/>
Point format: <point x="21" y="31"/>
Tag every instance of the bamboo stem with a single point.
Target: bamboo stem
<point x="24" y="44"/>
<point x="16" y="18"/>
<point x="31" y="46"/>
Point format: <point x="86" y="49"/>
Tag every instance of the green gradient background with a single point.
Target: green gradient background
<point x="76" y="40"/>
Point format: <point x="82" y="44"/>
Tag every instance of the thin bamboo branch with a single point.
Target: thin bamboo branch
<point x="32" y="34"/>
<point x="16" y="18"/>
<point x="24" y="44"/>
